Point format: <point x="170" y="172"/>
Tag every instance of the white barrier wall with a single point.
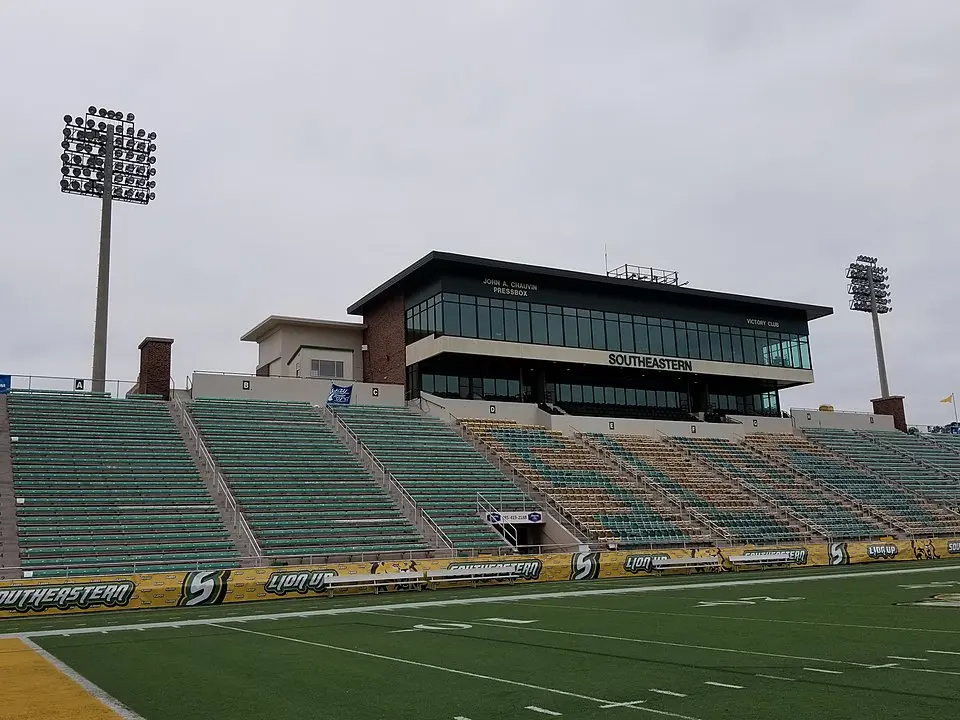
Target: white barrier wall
<point x="653" y="428"/>
<point x="768" y="425"/>
<point x="523" y="413"/>
<point x="312" y="390"/>
<point x="840" y="420"/>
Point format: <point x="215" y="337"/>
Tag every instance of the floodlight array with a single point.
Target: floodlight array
<point x="84" y="156"/>
<point x="863" y="274"/>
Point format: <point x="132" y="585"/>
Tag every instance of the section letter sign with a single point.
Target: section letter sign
<point x="339" y="395"/>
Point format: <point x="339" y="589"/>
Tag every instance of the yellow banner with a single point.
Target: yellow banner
<point x="214" y="587"/>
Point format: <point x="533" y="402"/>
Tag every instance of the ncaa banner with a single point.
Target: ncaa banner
<point x="339" y="395"/>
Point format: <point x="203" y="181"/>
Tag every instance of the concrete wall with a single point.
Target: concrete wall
<point x="840" y="420"/>
<point x="771" y="425"/>
<point x="303" y="357"/>
<point x="284" y="388"/>
<point x="523" y="413"/>
<point x="287" y="342"/>
<point x="628" y="426"/>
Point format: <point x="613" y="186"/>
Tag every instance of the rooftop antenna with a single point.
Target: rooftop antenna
<point x="606" y="262"/>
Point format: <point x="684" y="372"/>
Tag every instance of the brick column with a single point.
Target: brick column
<point x="385" y="360"/>
<point x="154" y="377"/>
<point x="892" y="406"/>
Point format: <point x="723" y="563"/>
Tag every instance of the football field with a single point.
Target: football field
<point x="856" y="642"/>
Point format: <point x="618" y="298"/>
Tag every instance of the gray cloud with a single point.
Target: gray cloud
<point x="308" y="150"/>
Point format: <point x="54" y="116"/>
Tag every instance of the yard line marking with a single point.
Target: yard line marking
<point x="454" y="671"/>
<point x="878" y="667"/>
<point x="821" y="670"/>
<point x="936" y="672"/>
<point x="461" y="717"/>
<point x="775" y="677"/>
<point x="511" y="620"/>
<point x="544" y="711"/>
<point x="667" y="692"/>
<point x="631" y="703"/>
<point x="944" y="652"/>
<point x="901" y="657"/>
<point x="111" y="702"/>
<point x="644" y="641"/>
<point x="496" y="598"/>
<point x="702" y="616"/>
<point x="726" y="685"/>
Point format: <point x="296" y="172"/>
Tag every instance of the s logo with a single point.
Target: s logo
<point x="207" y="587"/>
<point x="585" y="566"/>
<point x="839" y="555"/>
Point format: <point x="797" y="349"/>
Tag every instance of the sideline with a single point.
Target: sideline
<point x="290" y="614"/>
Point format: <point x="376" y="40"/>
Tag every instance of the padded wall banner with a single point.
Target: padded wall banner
<point x="5" y="382"/>
<point x="214" y="587"/>
<point x="339" y="394"/>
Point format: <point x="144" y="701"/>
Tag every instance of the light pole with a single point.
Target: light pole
<point x="869" y="291"/>
<point x="105" y="156"/>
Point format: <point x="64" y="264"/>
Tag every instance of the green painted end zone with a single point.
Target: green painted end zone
<point x="852" y="644"/>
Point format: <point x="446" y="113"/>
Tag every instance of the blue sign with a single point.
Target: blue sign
<point x="535" y="517"/>
<point x="339" y="395"/>
<point x="4" y="384"/>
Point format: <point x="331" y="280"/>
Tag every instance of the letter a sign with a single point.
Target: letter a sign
<point x="78" y="384"/>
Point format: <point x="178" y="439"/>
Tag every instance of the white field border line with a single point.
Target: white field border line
<point x="702" y="616"/>
<point x="664" y="643"/>
<point x="94" y="690"/>
<point x="81" y="628"/>
<point x="454" y="671"/>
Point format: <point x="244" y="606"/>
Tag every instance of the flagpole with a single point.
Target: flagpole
<point x="954" y="398"/>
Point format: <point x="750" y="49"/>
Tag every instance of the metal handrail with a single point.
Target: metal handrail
<point x="222" y="487"/>
<point x="441" y="535"/>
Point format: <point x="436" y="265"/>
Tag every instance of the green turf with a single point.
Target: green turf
<point x="581" y="652"/>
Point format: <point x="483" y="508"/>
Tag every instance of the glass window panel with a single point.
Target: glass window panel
<point x="510" y="325"/>
<point x="570" y="311"/>
<point x="672" y="400"/>
<point x="613" y="334"/>
<point x="539" y="322"/>
<point x="451" y="297"/>
<point x="608" y="396"/>
<point x="626" y="337"/>
<point x="795" y="352"/>
<point x="570" y="331"/>
<point x="564" y="392"/>
<point x="599" y="341"/>
<point x="536" y="307"/>
<point x="620" y="395"/>
<point x="513" y="389"/>
<point x="483" y="322"/>
<point x="583" y="313"/>
<point x="704" y="345"/>
<point x="489" y="387"/>
<point x="736" y="345"/>
<point x="510" y="304"/>
<point x="631" y="396"/>
<point x="576" y="392"/>
<point x="451" y="318"/>
<point x="750" y="349"/>
<point x="653" y="321"/>
<point x="555" y="329"/>
<point x="681" y="337"/>
<point x="523" y="325"/>
<point x="726" y="349"/>
<point x="804" y="353"/>
<point x="715" y="343"/>
<point x="669" y="341"/>
<point x="496" y="302"/>
<point x="588" y="393"/>
<point x="586" y="335"/>
<point x="483" y="301"/>
<point x="426" y="382"/>
<point x="693" y="342"/>
<point x="661" y="398"/>
<point x="468" y="321"/>
<point x="476" y="387"/>
<point x="554" y="310"/>
<point x="596" y="315"/>
<point x="641" y="338"/>
<point x="656" y="340"/>
<point x="501" y="387"/>
<point x="465" y="387"/>
<point x="468" y="299"/>
<point x="431" y="322"/>
<point x="496" y="323"/>
<point x="440" y="384"/>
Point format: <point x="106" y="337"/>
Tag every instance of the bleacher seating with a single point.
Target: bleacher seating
<point x="438" y="468"/>
<point x="943" y="483"/>
<point x="302" y="492"/>
<point x="886" y="454"/>
<point x="108" y="485"/>
<point x="587" y="489"/>
<point x="818" y="508"/>
<point x="876" y="495"/>
<point x="732" y="509"/>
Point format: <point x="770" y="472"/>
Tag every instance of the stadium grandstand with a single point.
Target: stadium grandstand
<point x="476" y="408"/>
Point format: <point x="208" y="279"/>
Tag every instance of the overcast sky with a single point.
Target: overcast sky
<point x="309" y="150"/>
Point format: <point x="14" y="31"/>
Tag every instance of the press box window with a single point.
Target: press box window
<point x="326" y="368"/>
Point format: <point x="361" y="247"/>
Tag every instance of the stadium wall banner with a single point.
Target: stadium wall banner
<point x="19" y="598"/>
<point x="340" y="394"/>
<point x="5" y="382"/>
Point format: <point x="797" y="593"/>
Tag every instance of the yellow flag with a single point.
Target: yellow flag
<point x="948" y="399"/>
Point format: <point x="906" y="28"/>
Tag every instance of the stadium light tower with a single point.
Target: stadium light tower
<point x="869" y="291"/>
<point x="105" y="156"/>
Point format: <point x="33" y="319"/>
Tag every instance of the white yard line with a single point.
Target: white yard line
<point x="944" y="652"/>
<point x="94" y="690"/>
<point x="454" y="671"/>
<point x="821" y="670"/>
<point x="775" y="677"/>
<point x="491" y="599"/>
<point x="543" y="711"/>
<point x="723" y="685"/>
<point x="667" y="692"/>
<point x="901" y="657"/>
